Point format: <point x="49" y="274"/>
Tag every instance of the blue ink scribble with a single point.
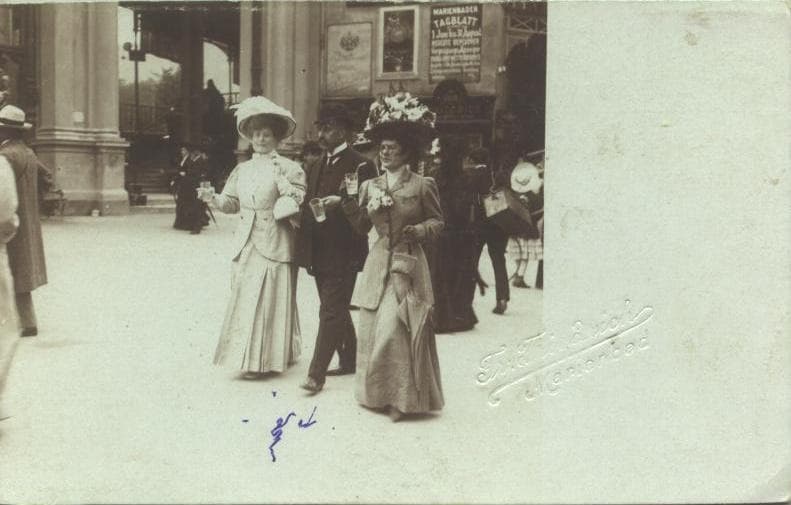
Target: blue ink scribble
<point x="277" y="431"/>
<point x="245" y="420"/>
<point x="310" y="422"/>
<point x="274" y="393"/>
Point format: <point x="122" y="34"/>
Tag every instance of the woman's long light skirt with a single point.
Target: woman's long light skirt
<point x="260" y="332"/>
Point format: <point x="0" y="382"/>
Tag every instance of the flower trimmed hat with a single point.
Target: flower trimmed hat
<point x="400" y="117"/>
<point x="256" y="106"/>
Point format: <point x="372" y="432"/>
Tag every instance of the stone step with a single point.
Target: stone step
<point x="157" y="203"/>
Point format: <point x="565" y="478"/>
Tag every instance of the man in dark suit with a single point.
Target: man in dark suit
<point x="331" y="251"/>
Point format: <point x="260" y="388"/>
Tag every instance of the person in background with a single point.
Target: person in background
<point x="26" y="249"/>
<point x="310" y="155"/>
<point x="190" y="211"/>
<point x="9" y="328"/>
<point x="331" y="250"/>
<point x="364" y="146"/>
<point x="528" y="252"/>
<point x="489" y="234"/>
<point x="454" y="260"/>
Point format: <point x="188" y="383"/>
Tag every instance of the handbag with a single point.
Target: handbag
<point x="285" y="207"/>
<point x="507" y="211"/>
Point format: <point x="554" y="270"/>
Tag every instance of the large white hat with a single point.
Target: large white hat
<point x="525" y="177"/>
<point x="13" y="117"/>
<point x="260" y="106"/>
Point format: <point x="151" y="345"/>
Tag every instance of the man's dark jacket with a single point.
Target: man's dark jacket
<point x="332" y="247"/>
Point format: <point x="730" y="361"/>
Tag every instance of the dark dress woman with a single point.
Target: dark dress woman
<point x="454" y="265"/>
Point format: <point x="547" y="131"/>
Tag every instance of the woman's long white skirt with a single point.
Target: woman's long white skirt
<point x="260" y="332"/>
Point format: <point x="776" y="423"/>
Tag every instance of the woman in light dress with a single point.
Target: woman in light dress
<point x="260" y="332"/>
<point x="397" y="362"/>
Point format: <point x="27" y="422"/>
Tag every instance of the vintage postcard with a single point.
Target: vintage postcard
<point x="395" y="252"/>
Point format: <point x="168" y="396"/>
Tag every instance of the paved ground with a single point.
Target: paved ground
<point x="117" y="400"/>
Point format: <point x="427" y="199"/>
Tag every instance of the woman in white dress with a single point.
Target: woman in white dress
<point x="260" y="332"/>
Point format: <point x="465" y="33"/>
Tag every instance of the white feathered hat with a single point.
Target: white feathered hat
<point x="260" y="106"/>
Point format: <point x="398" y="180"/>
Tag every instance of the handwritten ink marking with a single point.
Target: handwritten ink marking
<point x="541" y="353"/>
<point x="277" y="431"/>
<point x="274" y="393"/>
<point x="245" y="420"/>
<point x="310" y="422"/>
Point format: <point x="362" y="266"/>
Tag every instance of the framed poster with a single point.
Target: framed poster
<point x="455" y="43"/>
<point x="348" y="69"/>
<point x="399" y="31"/>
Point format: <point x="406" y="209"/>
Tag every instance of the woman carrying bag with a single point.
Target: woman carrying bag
<point x="397" y="363"/>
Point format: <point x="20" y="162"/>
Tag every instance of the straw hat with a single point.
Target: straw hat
<point x="260" y="106"/>
<point x="525" y="178"/>
<point x="13" y="118"/>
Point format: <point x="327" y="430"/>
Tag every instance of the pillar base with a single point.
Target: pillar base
<point x="88" y="166"/>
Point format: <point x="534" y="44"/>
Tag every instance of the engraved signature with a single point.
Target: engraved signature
<point x="277" y="431"/>
<point x="543" y="362"/>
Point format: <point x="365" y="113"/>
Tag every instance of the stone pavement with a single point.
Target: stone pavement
<point x="116" y="401"/>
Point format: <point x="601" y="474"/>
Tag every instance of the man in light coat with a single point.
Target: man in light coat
<point x="9" y="222"/>
<point x="26" y="249"/>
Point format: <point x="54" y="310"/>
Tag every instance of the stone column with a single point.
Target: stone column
<point x="192" y="105"/>
<point x="77" y="131"/>
<point x="284" y="59"/>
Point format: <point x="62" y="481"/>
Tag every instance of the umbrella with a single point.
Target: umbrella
<point x="414" y="313"/>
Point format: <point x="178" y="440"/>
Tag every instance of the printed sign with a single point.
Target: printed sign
<point x="455" y="46"/>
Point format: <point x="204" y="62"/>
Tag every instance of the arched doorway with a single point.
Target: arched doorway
<point x="189" y="44"/>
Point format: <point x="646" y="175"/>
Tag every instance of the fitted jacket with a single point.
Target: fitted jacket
<point x="332" y="246"/>
<point x="251" y="191"/>
<point x="415" y="202"/>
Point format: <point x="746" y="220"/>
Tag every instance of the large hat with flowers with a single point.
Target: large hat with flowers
<point x="400" y="116"/>
<point x="260" y="106"/>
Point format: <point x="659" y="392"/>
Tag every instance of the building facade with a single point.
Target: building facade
<point x="480" y="66"/>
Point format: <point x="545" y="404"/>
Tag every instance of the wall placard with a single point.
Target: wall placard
<point x="348" y="69"/>
<point x="399" y="32"/>
<point x="455" y="47"/>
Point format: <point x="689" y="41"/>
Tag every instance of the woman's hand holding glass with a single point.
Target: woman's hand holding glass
<point x="205" y="192"/>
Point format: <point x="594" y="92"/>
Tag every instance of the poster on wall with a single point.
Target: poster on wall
<point x="455" y="44"/>
<point x="349" y="60"/>
<point x="398" y="42"/>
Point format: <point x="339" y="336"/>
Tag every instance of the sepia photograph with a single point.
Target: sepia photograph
<point x="294" y="252"/>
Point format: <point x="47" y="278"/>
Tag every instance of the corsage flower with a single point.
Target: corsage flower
<point x="379" y="199"/>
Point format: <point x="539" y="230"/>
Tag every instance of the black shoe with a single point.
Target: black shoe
<point x="311" y="385"/>
<point x="354" y="307"/>
<point x="519" y="282"/>
<point x="30" y="332"/>
<point x="340" y="371"/>
<point x="500" y="307"/>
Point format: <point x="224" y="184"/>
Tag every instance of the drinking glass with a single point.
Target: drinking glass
<point x="317" y="207"/>
<point x="351" y="183"/>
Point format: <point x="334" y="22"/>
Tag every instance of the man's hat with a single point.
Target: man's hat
<point x="336" y="113"/>
<point x="13" y="118"/>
